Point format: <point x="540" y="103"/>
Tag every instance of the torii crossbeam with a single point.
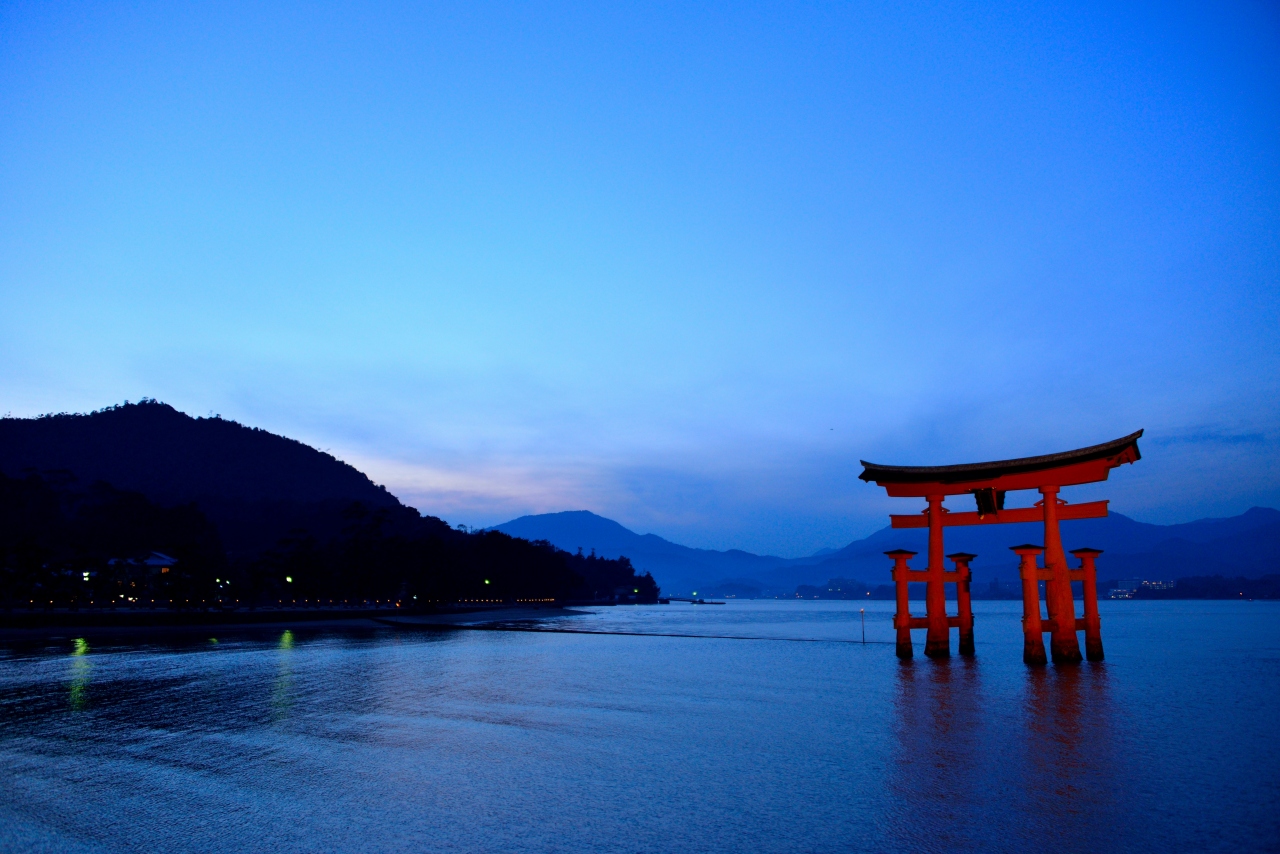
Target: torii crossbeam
<point x="988" y="483"/>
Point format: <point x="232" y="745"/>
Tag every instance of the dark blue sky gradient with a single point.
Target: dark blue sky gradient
<point x="682" y="267"/>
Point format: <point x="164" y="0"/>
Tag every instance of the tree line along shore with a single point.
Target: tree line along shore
<point x="139" y="507"/>
<point x="66" y="547"/>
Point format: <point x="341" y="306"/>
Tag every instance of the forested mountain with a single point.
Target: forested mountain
<point x="141" y="502"/>
<point x="254" y="485"/>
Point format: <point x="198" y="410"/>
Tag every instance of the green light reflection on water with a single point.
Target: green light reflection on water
<point x="282" y="691"/>
<point x="81" y="668"/>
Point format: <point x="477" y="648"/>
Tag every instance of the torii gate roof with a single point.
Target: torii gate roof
<point x="1084" y="465"/>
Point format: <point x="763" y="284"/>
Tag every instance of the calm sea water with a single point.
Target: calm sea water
<point x="787" y="735"/>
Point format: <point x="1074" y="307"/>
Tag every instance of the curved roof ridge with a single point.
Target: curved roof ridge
<point x="966" y="471"/>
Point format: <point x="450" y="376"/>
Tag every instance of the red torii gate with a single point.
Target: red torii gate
<point x="988" y="483"/>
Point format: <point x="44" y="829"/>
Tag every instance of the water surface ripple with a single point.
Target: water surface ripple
<point x="735" y="739"/>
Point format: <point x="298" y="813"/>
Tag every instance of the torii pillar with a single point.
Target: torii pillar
<point x="1032" y="626"/>
<point x="937" y="642"/>
<point x="964" y="605"/>
<point x="1092" y="622"/>
<point x="1057" y="590"/>
<point x="902" y="617"/>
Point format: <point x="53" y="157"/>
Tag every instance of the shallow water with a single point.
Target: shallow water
<point x="800" y="739"/>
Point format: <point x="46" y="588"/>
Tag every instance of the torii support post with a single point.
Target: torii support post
<point x="937" y="642"/>
<point x="902" y="618"/>
<point x="963" y="603"/>
<point x="1092" y="622"/>
<point x="1063" y="644"/>
<point x="1032" y="628"/>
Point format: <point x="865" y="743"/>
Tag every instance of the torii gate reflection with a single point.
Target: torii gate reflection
<point x="988" y="483"/>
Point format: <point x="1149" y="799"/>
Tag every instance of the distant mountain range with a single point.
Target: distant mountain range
<point x="1244" y="545"/>
<point x="678" y="569"/>
<point x="257" y="487"/>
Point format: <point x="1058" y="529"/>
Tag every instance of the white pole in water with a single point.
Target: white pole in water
<point x="863" y="611"/>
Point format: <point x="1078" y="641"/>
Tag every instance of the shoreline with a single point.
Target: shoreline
<point x="33" y="625"/>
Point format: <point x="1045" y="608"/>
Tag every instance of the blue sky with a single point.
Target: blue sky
<point x="680" y="266"/>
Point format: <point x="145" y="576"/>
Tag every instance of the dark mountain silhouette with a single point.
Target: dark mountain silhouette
<point x="170" y="457"/>
<point x="86" y="499"/>
<point x="1244" y="545"/>
<point x="255" y="486"/>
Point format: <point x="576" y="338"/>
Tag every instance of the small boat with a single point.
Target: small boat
<point x="703" y="602"/>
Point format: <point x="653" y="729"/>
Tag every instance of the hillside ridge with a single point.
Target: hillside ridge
<point x="1246" y="544"/>
<point x="172" y="457"/>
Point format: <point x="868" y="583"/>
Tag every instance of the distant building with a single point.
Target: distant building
<point x="155" y="563"/>
<point x="1128" y="588"/>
